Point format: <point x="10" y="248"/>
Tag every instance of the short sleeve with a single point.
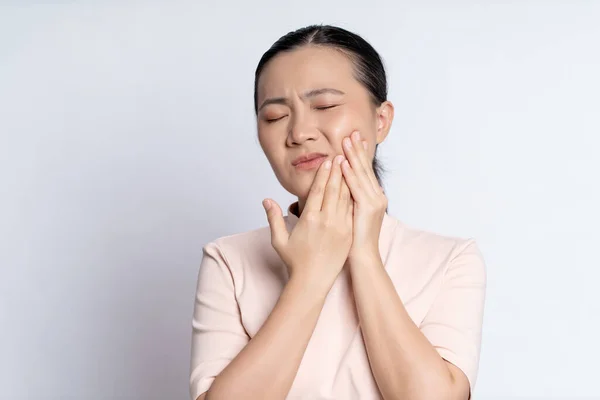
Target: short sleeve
<point x="217" y="332"/>
<point x="453" y="324"/>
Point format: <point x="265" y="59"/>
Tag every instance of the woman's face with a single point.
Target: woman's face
<point x="308" y="101"/>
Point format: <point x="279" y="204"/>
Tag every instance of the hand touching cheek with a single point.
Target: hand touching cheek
<point x="370" y="202"/>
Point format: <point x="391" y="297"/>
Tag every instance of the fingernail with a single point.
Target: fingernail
<point x="339" y="159"/>
<point x="347" y="143"/>
<point x="267" y="204"/>
<point x="327" y="164"/>
<point x="364" y="144"/>
<point x="356" y="135"/>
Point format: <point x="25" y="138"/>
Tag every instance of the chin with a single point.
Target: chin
<point x="298" y="187"/>
<point x="297" y="184"/>
<point x="300" y="191"/>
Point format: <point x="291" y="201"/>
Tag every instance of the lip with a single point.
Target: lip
<point x="309" y="161"/>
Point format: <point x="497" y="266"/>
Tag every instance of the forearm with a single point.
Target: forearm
<point x="267" y="366"/>
<point x="405" y="365"/>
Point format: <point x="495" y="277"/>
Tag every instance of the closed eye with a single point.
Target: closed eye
<point x="326" y="107"/>
<point x="270" y="121"/>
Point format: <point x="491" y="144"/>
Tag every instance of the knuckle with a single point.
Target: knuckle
<point x="312" y="217"/>
<point x="328" y="223"/>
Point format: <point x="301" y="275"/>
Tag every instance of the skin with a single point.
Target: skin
<point x="297" y="117"/>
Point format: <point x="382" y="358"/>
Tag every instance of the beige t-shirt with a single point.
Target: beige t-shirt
<point x="441" y="281"/>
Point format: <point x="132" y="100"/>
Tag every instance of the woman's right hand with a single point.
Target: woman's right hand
<point x="318" y="245"/>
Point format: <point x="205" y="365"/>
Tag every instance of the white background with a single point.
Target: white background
<point x="128" y="141"/>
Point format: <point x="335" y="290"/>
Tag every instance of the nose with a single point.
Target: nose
<point x="301" y="129"/>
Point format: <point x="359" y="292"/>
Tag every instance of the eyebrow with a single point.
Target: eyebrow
<point x="306" y="95"/>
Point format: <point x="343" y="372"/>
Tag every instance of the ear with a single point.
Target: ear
<point x="385" y="116"/>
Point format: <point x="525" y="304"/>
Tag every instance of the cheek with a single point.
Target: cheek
<point x="268" y="139"/>
<point x="273" y="149"/>
<point x="341" y="124"/>
<point x="268" y="147"/>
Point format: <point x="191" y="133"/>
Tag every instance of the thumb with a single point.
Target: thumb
<point x="279" y="233"/>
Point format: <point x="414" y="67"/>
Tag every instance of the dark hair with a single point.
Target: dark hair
<point x="368" y="67"/>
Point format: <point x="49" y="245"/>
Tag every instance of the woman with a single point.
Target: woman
<point x="337" y="300"/>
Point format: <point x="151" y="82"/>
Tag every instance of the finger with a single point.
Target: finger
<point x="355" y="186"/>
<point x="350" y="211"/>
<point x="345" y="199"/>
<point x="332" y="191"/>
<point x="317" y="189"/>
<point x="360" y="173"/>
<point x="359" y="146"/>
<point x="370" y="170"/>
<point x="279" y="232"/>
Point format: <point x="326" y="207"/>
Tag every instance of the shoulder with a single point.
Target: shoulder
<point x="243" y="244"/>
<point x="433" y="241"/>
<point x="245" y="253"/>
<point x="438" y="251"/>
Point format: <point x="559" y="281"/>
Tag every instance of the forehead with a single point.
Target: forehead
<point x="306" y="68"/>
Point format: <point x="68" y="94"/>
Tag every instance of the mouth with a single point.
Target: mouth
<point x="309" y="161"/>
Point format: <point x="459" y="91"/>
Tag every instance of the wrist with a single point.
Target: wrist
<point x="365" y="264"/>
<point x="364" y="257"/>
<point x="315" y="285"/>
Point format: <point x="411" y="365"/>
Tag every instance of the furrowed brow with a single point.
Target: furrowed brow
<point x="309" y="94"/>
<point x="316" y="92"/>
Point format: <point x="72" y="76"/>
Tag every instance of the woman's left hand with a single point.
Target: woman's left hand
<point x="370" y="202"/>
